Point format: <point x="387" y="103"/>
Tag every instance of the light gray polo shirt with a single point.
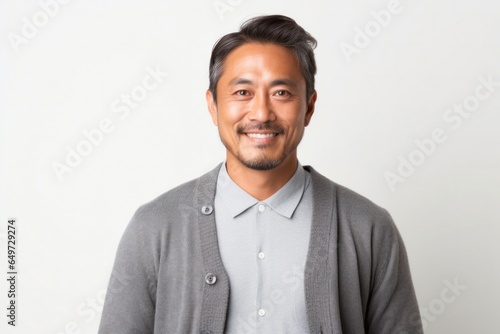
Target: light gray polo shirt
<point x="263" y="246"/>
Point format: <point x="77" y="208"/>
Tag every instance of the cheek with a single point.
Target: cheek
<point x="295" y="123"/>
<point x="227" y="123"/>
<point x="231" y="115"/>
<point x="235" y="111"/>
<point x="295" y="129"/>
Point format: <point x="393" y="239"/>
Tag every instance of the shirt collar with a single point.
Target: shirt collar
<point x="284" y="201"/>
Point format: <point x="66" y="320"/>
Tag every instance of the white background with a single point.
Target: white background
<point x="372" y="107"/>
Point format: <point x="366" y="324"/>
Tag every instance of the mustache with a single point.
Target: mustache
<point x="241" y="129"/>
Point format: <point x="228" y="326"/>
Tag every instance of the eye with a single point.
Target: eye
<point x="242" y="92"/>
<point x="282" y="93"/>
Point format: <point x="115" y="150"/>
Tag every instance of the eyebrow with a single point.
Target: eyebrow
<point x="276" y="82"/>
<point x="240" y="81"/>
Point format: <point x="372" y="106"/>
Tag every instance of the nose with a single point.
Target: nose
<point x="260" y="110"/>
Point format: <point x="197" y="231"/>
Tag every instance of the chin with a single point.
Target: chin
<point x="267" y="165"/>
<point x="261" y="164"/>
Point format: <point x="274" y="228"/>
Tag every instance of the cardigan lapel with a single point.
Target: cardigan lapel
<point x="216" y="285"/>
<point x="321" y="272"/>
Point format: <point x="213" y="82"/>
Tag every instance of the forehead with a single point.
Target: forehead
<point x="262" y="60"/>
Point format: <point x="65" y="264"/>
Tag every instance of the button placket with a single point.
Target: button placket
<point x="262" y="216"/>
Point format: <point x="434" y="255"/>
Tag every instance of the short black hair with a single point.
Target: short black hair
<point x="276" y="29"/>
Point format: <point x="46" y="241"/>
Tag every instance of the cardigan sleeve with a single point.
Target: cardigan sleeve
<point x="392" y="306"/>
<point x="129" y="305"/>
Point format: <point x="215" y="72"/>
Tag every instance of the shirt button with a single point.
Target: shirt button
<point x="262" y="312"/>
<point x="207" y="209"/>
<point x="262" y="208"/>
<point x="262" y="255"/>
<point x="210" y="278"/>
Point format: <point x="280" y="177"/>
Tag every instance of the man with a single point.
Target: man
<point x="261" y="243"/>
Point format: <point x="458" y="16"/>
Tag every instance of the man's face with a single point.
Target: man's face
<point x="262" y="107"/>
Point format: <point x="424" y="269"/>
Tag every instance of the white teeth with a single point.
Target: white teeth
<point x="261" y="135"/>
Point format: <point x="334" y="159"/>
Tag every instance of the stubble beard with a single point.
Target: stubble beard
<point x="263" y="162"/>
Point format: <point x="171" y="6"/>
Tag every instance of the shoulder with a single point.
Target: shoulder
<point x="359" y="225"/>
<point x="351" y="209"/>
<point x="176" y="203"/>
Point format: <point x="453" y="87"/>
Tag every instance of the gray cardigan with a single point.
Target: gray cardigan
<point x="168" y="275"/>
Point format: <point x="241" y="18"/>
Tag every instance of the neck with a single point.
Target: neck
<point x="261" y="184"/>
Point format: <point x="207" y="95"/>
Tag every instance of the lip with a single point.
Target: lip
<point x="261" y="137"/>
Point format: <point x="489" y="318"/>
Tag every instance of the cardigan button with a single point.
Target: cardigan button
<point x="210" y="278"/>
<point x="205" y="332"/>
<point x="207" y="209"/>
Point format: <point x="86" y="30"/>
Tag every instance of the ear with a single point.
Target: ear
<point x="212" y="106"/>
<point x="310" y="108"/>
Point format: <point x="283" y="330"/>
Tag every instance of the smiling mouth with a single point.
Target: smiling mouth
<point x="261" y="135"/>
